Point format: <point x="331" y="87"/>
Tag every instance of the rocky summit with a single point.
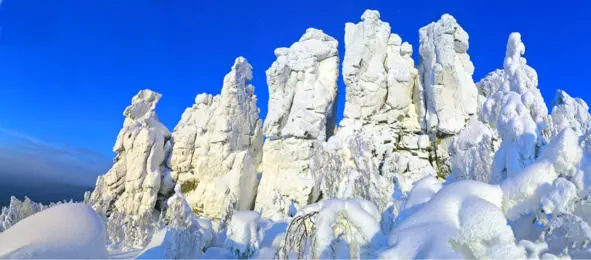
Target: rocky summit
<point x="426" y="162"/>
<point x="402" y="122"/>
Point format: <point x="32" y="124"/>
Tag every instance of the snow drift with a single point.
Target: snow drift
<point x="70" y="230"/>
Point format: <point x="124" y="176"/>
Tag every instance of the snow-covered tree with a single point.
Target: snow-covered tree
<point x="18" y="210"/>
<point x="130" y="232"/>
<point x="183" y="237"/>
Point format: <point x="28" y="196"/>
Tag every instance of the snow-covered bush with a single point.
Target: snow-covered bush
<point x="244" y="234"/>
<point x="332" y="229"/>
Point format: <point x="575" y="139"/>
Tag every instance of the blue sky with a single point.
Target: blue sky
<point x="68" y="68"/>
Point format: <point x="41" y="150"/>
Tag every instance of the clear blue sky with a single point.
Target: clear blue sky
<point x="68" y="68"/>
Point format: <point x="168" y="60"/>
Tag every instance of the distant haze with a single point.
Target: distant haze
<point x="45" y="172"/>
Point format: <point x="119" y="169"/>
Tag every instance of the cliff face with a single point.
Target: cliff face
<point x="398" y="122"/>
<point x="133" y="183"/>
<point x="302" y="98"/>
<point x="218" y="145"/>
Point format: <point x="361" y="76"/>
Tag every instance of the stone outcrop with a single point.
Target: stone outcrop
<point x="446" y="74"/>
<point x="217" y="146"/>
<point x="384" y="100"/>
<point x="139" y="173"/>
<point x="301" y="114"/>
<point x="395" y="130"/>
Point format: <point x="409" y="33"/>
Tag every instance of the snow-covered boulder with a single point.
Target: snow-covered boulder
<point x="217" y="146"/>
<point x="516" y="110"/>
<point x="69" y="230"/>
<point x="446" y="73"/>
<point x="302" y="91"/>
<point x="133" y="184"/>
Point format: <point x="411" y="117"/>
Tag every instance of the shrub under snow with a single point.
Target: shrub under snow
<point x="244" y="234"/>
<point x="332" y="229"/>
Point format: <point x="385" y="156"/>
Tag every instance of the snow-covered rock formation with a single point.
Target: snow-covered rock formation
<point x="383" y="143"/>
<point x="301" y="113"/>
<point x="378" y="70"/>
<point x="446" y="74"/>
<point x="134" y="182"/>
<point x="383" y="106"/>
<point x="217" y="146"/>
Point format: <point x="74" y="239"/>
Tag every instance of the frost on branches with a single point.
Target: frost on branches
<point x="332" y="229"/>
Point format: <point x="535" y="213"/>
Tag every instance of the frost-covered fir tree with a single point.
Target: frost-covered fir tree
<point x="183" y="238"/>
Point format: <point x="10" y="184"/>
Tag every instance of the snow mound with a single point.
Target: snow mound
<point x="463" y="220"/>
<point x="65" y="231"/>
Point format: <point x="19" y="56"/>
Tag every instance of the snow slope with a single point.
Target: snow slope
<point x="65" y="231"/>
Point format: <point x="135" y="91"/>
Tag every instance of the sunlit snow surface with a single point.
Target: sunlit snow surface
<point x="64" y="231"/>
